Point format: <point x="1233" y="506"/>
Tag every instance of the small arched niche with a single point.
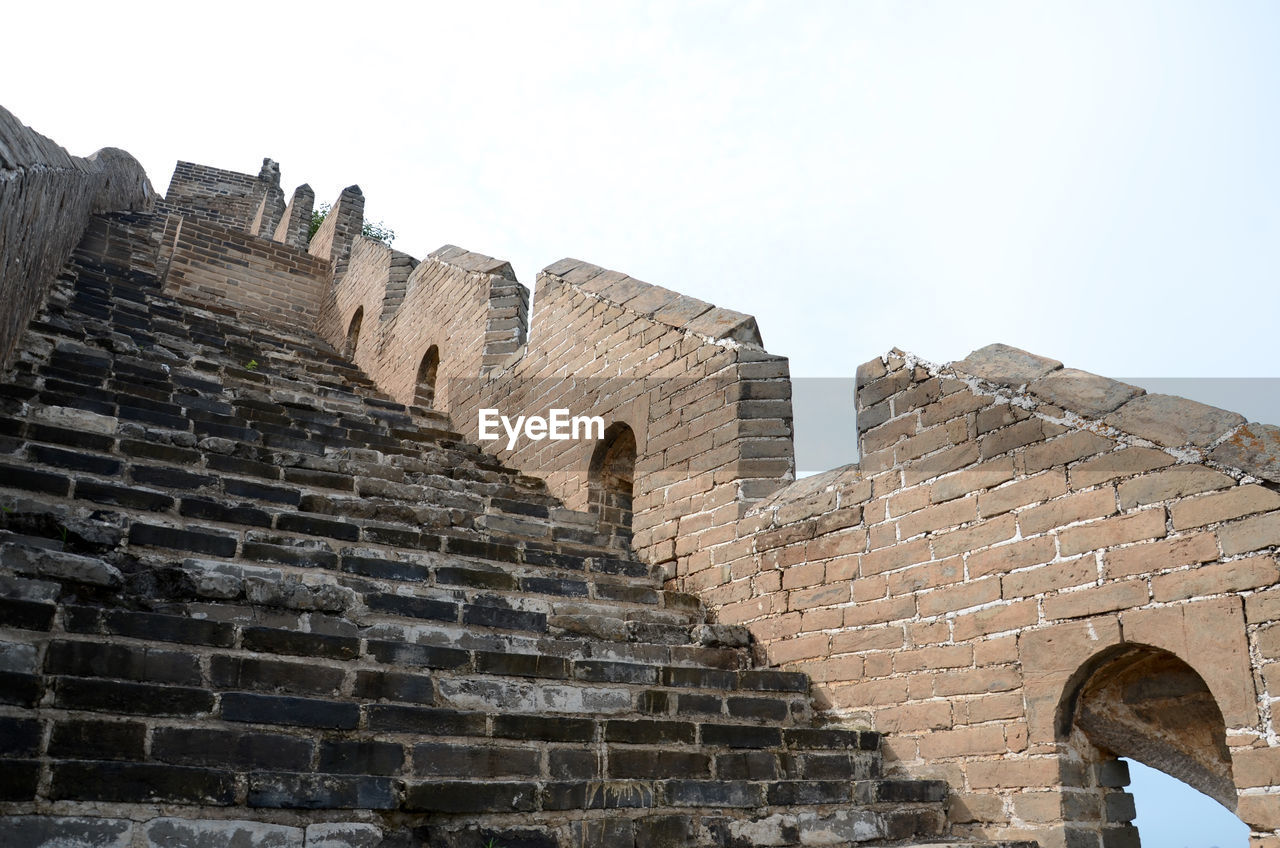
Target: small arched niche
<point x="611" y="481"/>
<point x="425" y="388"/>
<point x="353" y="334"/>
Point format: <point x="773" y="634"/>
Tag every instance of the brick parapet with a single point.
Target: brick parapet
<point x="219" y="196"/>
<point x="234" y="269"/>
<point x="928" y="590"/>
<point x="47" y="198"/>
<point x="709" y="407"/>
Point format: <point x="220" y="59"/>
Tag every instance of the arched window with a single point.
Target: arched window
<point x="425" y="394"/>
<point x="1141" y="703"/>
<point x="353" y="334"/>
<point x="610" y="481"/>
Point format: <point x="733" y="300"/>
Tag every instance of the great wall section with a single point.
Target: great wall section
<point x="262" y="583"/>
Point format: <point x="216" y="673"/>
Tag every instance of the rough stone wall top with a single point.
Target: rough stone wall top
<point x="657" y="303"/>
<point x="1011" y="525"/>
<point x="1203" y="431"/>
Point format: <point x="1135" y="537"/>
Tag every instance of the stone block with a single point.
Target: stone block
<point x="1209" y="636"/>
<point x="1006" y="365"/>
<point x="65" y="832"/>
<point x="1173" y="421"/>
<point x="1254" y="449"/>
<point x="721" y="323"/>
<point x="321" y="791"/>
<point x="681" y="311"/>
<point x="58" y="565"/>
<point x="140" y="783"/>
<point x="136" y="698"/>
<point x="1083" y="393"/>
<point x="1236" y="576"/>
<point x="343" y="835"/>
<point x="186" y="833"/>
<point x="1096" y="535"/>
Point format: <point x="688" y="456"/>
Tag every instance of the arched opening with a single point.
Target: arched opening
<point x="1143" y="704"/>
<point x="611" y="479"/>
<point x="425" y="391"/>
<point x="353" y="334"/>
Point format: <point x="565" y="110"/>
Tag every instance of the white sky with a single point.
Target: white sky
<point x="1093" y="181"/>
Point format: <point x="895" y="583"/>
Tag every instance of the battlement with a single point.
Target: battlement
<point x="264" y="445"/>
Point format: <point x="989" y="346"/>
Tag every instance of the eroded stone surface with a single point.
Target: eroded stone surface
<point x="1083" y="393"/>
<point x="1173" y="421"/>
<point x="185" y="833"/>
<point x="1006" y="365"/>
<point x="65" y="832"/>
<point x="57" y="564"/>
<point x="343" y="835"/>
<point x="1254" y="449"/>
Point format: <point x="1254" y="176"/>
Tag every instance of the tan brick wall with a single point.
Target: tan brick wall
<point x="240" y="271"/>
<point x="226" y="198"/>
<point x="947" y="589"/>
<point x="709" y="406"/>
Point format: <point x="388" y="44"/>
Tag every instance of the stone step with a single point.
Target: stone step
<point x="234" y="574"/>
<point x="161" y="495"/>
<point x="335" y="674"/>
<point x="449" y="591"/>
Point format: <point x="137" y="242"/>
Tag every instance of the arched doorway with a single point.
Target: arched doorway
<point x="1144" y="704"/>
<point x="611" y="481"/>
<point x="425" y="388"/>
<point x="353" y="334"/>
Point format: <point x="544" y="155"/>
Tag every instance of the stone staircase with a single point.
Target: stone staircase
<point x="238" y="584"/>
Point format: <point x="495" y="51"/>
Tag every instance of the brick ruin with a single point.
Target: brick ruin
<point x="262" y="583"/>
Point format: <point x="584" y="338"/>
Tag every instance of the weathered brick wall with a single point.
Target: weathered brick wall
<point x="239" y="271"/>
<point x="710" y="408"/>
<point x="952" y="589"/>
<point x="446" y="300"/>
<point x="223" y="197"/>
<point x="47" y="197"/>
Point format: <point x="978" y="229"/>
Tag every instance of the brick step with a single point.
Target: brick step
<point x="449" y="595"/>
<point x="336" y="674"/>
<point x="436" y="520"/>
<point x="311" y="617"/>
<point x="229" y="440"/>
<point x="376" y="590"/>
<point x="221" y="345"/>
<point x="294" y="429"/>
<point x="524" y="806"/>
<point x="613" y="827"/>
<point x="258" y="534"/>
<point x="140" y="475"/>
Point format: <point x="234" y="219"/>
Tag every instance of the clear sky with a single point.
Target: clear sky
<point x="1173" y="815"/>
<point x="1095" y="181"/>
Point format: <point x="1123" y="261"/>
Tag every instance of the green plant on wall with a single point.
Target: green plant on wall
<point x="378" y="232"/>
